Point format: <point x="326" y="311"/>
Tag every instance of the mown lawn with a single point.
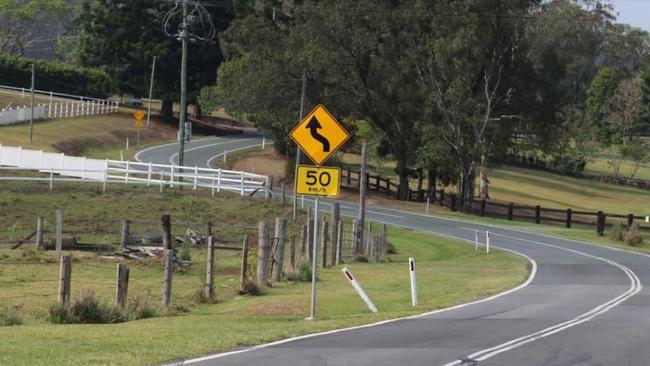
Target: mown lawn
<point x="449" y="272"/>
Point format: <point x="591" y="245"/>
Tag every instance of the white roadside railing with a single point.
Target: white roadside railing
<point x="72" y="106"/>
<point x="58" y="167"/>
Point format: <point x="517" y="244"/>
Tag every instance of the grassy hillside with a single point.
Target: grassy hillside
<point x="102" y="136"/>
<point x="449" y="272"/>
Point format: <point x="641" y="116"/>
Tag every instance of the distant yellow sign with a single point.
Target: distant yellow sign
<point x="318" y="181"/>
<point x="319" y="135"/>
<point x="139" y="124"/>
<point x="139" y="115"/>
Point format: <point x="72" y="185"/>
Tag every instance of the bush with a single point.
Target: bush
<point x="55" y="76"/>
<point x="361" y="259"/>
<point x="139" y="307"/>
<point x="184" y="253"/>
<point x="391" y="249"/>
<point x="88" y="309"/>
<point x="251" y="288"/>
<point x="632" y="236"/>
<point x="11" y="315"/>
<point x="616" y="233"/>
<point x="303" y="274"/>
<point x="59" y="314"/>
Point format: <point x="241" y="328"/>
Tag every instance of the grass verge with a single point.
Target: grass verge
<point x="448" y="273"/>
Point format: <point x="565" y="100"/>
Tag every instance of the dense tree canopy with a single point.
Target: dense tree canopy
<point x="447" y="85"/>
<point x="123" y="37"/>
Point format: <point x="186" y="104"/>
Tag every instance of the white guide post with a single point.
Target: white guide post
<point x="487" y="242"/>
<point x="359" y="289"/>
<point x="414" y="284"/>
<point x="476" y="240"/>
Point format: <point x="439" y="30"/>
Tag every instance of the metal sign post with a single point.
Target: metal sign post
<point x="314" y="264"/>
<point x="319" y="135"/>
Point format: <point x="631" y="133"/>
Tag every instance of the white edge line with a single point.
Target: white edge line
<point x="635" y="288"/>
<point x="209" y="162"/>
<point x="137" y="155"/>
<point x="174" y="155"/>
<point x="531" y="277"/>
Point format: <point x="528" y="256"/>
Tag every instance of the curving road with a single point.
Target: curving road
<point x="583" y="304"/>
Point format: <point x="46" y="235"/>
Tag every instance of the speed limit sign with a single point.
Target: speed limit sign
<point x="318" y="181"/>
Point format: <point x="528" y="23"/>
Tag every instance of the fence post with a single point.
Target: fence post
<point x="538" y="214"/>
<point x="303" y="239"/>
<point x="388" y="192"/>
<point x="339" y="241"/>
<point x="167" y="277"/>
<point x="244" y="263"/>
<point x="483" y="207"/>
<point x="208" y="229"/>
<point x="292" y="253"/>
<point x="347" y="178"/>
<point x="600" y="224"/>
<point x="166" y="224"/>
<point x="630" y="220"/>
<point x="568" y="217"/>
<point x="122" y="284"/>
<point x="442" y="197"/>
<point x="355" y="237"/>
<point x="39" y="233"/>
<point x="336" y="219"/>
<point x="263" y="254"/>
<point x="124" y="240"/>
<point x="280" y="234"/>
<point x="452" y="202"/>
<point x="65" y="271"/>
<point x="511" y="208"/>
<point x="324" y="236"/>
<point x="384" y="239"/>
<point x="59" y="231"/>
<point x="209" y="273"/>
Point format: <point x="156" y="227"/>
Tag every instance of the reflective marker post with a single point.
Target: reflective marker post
<point x="359" y="289"/>
<point x="487" y="242"/>
<point x="312" y="313"/>
<point x="414" y="285"/>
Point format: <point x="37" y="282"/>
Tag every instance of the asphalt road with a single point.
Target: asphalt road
<point x="582" y="305"/>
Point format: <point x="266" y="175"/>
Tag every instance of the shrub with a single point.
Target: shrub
<point x="616" y="233"/>
<point x="56" y="76"/>
<point x="59" y="314"/>
<point x="303" y="274"/>
<point x="251" y="288"/>
<point x="139" y="307"/>
<point x="88" y="309"/>
<point x="184" y="253"/>
<point x="361" y="259"/>
<point x="391" y="249"/>
<point x="11" y="315"/>
<point x="632" y="236"/>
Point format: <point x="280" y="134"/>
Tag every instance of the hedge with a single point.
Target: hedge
<point x="55" y="76"/>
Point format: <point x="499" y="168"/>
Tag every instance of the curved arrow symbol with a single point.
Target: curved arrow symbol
<point x="313" y="127"/>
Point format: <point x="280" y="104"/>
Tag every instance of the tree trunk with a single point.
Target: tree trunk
<point x="484" y="181"/>
<point x="167" y="110"/>
<point x="420" y="182"/>
<point x="403" y="190"/>
<point x="431" y="180"/>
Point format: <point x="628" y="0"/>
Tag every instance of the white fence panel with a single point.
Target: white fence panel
<point x="114" y="171"/>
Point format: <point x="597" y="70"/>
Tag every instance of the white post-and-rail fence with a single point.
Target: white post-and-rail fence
<point x="58" y="167"/>
<point x="71" y="106"/>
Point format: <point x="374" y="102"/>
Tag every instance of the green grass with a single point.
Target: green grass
<point x="599" y="166"/>
<point x="100" y="136"/>
<point x="448" y="273"/>
<point x="550" y="190"/>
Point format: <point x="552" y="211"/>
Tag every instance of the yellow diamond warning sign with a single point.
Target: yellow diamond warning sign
<point x="319" y="135"/>
<point x="318" y="181"/>
<point x="139" y="115"/>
